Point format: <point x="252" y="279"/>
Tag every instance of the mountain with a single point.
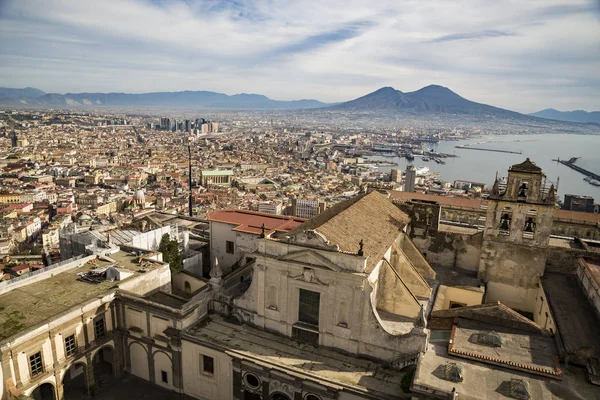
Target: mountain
<point x="26" y="93"/>
<point x="430" y="99"/>
<point x="569" y="116"/>
<point x="186" y="99"/>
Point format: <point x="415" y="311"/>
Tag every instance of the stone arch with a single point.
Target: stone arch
<point x="95" y="351"/>
<point x="161" y="351"/>
<point x="45" y="390"/>
<point x="75" y="379"/>
<point x="163" y="368"/>
<point x="279" y="396"/>
<point x="63" y="372"/>
<point x="138" y="356"/>
<point x="103" y="361"/>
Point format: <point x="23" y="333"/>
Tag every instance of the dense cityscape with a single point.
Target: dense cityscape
<point x="306" y="200"/>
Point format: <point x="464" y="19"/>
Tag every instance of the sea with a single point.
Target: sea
<point x="482" y="166"/>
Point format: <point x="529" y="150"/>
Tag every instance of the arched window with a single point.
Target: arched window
<point x="187" y="287"/>
<point x="523" y="189"/>
<point x="272" y="302"/>
<point x="505" y="221"/>
<point x="530" y="224"/>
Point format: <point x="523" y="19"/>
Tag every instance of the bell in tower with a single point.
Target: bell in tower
<point x="530" y="225"/>
<point x="505" y="222"/>
<point x="523" y="190"/>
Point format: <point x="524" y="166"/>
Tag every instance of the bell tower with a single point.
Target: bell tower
<point x="515" y="239"/>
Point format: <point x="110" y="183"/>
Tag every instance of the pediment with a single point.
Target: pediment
<point x="312" y="258"/>
<point x="493" y="313"/>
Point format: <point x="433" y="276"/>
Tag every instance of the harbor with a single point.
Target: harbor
<point x="590" y="177"/>
<point x="467" y="147"/>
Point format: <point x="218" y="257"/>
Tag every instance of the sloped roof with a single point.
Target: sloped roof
<point x="370" y="217"/>
<point x="526" y="166"/>
<point x="252" y="222"/>
<point x="493" y="313"/>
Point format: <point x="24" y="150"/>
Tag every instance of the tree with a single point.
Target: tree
<point x="170" y="250"/>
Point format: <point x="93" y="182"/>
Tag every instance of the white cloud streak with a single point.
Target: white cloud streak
<point x="519" y="55"/>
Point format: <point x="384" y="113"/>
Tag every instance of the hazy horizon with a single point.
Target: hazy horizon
<point x="520" y="56"/>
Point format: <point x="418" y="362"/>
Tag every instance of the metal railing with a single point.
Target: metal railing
<point x="39" y="271"/>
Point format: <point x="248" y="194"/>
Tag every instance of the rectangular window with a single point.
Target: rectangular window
<point x="229" y="247"/>
<point x="208" y="365"/>
<point x="164" y="377"/>
<point x="70" y="345"/>
<point x="35" y="363"/>
<point x="305" y="336"/>
<point x="99" y="328"/>
<point x="308" y="307"/>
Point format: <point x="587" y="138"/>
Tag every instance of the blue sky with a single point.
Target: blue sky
<point x="520" y="55"/>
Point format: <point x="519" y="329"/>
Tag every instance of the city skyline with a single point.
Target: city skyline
<point x="524" y="58"/>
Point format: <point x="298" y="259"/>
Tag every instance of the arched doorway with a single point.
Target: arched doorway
<point x="74" y="382"/>
<point x="103" y="366"/>
<point x="44" y="392"/>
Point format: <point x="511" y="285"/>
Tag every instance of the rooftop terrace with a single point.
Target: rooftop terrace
<point x="29" y="305"/>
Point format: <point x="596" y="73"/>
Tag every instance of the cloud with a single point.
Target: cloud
<point x="518" y="55"/>
<point x="472" y="35"/>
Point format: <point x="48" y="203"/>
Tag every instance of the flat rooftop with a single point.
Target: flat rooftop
<point x="482" y="381"/>
<point x="252" y="222"/>
<point x="578" y="324"/>
<point x="27" y="306"/>
<point x="323" y="365"/>
<point x="530" y="351"/>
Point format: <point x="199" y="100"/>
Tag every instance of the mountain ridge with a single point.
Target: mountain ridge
<point x="429" y="99"/>
<point x="181" y="99"/>
<point x="580" y="116"/>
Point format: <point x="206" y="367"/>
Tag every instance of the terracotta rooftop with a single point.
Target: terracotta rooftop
<point x="442" y="200"/>
<point x="371" y="217"/>
<point x="593" y="266"/>
<point x="251" y="221"/>
<point x="576" y="216"/>
<point x="476" y="204"/>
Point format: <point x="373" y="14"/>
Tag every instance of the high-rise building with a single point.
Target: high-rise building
<point x="13" y="139"/>
<point x="411" y="176"/>
<point x="395" y="175"/>
<point x="188" y="125"/>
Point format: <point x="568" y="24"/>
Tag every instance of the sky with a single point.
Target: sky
<point x="523" y="55"/>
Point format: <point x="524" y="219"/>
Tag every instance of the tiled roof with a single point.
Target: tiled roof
<point x="442" y="200"/>
<point x="251" y="221"/>
<point x="371" y="217"/>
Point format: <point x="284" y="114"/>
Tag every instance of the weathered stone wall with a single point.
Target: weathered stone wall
<point x="451" y="250"/>
<point x="579" y="229"/>
<point x="565" y="260"/>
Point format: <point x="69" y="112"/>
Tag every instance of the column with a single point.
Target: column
<point x="151" y="372"/>
<point x="90" y="383"/>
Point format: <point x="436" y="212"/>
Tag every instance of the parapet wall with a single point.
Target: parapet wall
<point x="44" y="273"/>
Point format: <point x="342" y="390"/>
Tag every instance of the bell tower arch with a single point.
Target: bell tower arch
<point x="516" y="236"/>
